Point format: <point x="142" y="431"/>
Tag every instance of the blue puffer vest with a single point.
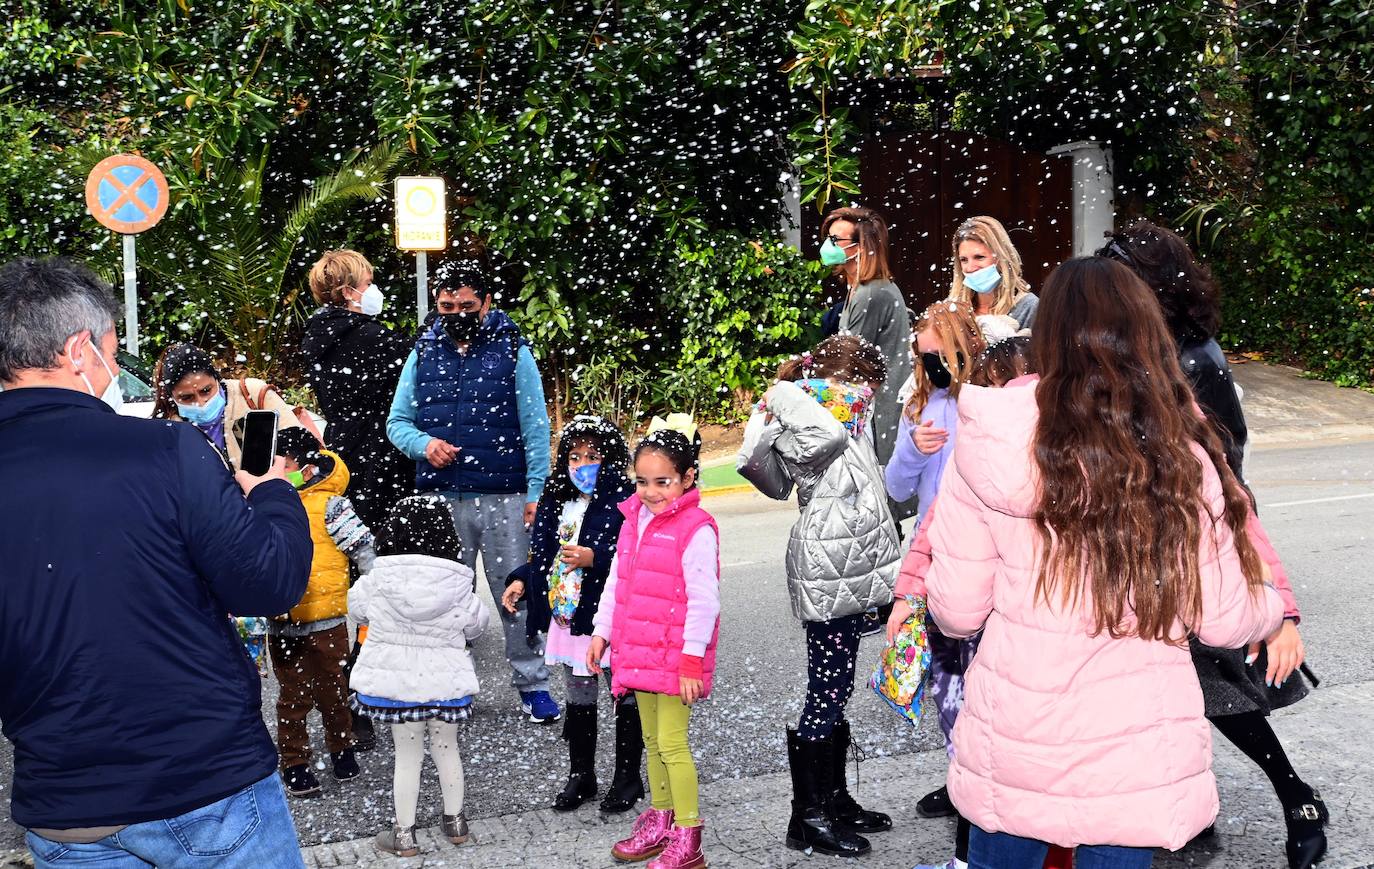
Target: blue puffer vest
<point x="469" y="400"/>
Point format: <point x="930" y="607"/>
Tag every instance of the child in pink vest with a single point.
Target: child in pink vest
<point x="660" y="612"/>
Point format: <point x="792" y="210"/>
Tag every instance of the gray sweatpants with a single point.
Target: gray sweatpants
<point x="494" y="525"/>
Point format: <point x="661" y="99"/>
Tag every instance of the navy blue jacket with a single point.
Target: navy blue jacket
<point x="469" y="400"/>
<point x="126" y="544"/>
<point x="600" y="531"/>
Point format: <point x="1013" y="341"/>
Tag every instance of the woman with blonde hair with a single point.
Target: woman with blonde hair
<point x="352" y="362"/>
<point x="856" y="245"/>
<point x="987" y="272"/>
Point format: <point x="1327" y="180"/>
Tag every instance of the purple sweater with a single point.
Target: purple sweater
<point x="911" y="472"/>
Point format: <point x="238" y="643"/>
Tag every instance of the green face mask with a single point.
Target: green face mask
<point x="297" y="478"/>
<point x="832" y="254"/>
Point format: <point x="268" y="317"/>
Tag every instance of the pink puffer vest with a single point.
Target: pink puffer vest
<point x="651" y="598"/>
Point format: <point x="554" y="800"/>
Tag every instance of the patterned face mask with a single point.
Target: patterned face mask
<point x="849" y="403"/>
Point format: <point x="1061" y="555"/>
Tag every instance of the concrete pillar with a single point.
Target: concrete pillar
<point x="1093" y="193"/>
<point x="791" y="222"/>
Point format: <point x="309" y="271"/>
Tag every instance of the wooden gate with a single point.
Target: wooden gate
<point x="926" y="183"/>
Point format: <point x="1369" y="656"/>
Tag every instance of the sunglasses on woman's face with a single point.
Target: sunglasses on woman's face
<point x="835" y="239"/>
<point x="1117" y="249"/>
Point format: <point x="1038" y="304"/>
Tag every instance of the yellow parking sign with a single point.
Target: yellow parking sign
<point x="421" y="213"/>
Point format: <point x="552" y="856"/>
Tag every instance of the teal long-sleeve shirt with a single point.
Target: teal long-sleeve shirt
<point x="530" y="408"/>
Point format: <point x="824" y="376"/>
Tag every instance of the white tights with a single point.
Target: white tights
<point x="410" y="753"/>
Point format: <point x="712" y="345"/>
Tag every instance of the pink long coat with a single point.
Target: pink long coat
<point x="1066" y="737"/>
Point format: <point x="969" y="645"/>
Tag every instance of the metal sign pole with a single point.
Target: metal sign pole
<point x="130" y="296"/>
<point x="421" y="286"/>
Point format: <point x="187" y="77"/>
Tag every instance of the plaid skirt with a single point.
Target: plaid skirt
<point x="408" y="714"/>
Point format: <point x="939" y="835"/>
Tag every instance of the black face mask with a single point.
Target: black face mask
<point x="461" y="327"/>
<point x="935" y="369"/>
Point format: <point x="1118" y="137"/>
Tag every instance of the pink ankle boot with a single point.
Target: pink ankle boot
<point x="648" y="837"/>
<point x="683" y="851"/>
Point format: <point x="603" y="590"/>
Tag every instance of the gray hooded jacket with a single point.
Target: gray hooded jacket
<point x="842" y="554"/>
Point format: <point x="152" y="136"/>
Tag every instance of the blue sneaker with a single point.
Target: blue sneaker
<point x="539" y="706"/>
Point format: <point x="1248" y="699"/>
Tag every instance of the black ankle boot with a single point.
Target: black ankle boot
<point x="843" y="806"/>
<point x="812" y="826"/>
<point x="1306" y="839"/>
<point x="935" y="804"/>
<point x="627" y="788"/>
<point x="579" y="729"/>
<point x="364" y="735"/>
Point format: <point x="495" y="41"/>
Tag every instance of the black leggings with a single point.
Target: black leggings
<point x="1251" y="733"/>
<point x="832" y="648"/>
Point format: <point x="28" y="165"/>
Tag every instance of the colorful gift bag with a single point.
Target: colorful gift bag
<point x="253" y="633"/>
<point x="565" y="583"/>
<point x="900" y="678"/>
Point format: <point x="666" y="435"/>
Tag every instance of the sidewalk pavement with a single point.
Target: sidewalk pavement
<point x="1284" y="407"/>
<point x="1281" y="407"/>
<point x="746" y="818"/>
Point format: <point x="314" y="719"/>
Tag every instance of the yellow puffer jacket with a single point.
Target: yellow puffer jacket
<point x="326" y="596"/>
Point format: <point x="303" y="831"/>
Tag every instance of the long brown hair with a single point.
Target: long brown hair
<point x="846" y="358"/>
<point x="870" y="231"/>
<point x="961" y="343"/>
<point x="1121" y="512"/>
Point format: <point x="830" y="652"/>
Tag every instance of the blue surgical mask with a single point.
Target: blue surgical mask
<point x="584" y="477"/>
<point x="985" y="280"/>
<point x="202" y="414"/>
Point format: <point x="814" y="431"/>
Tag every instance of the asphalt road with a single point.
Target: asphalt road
<point x="1316" y="501"/>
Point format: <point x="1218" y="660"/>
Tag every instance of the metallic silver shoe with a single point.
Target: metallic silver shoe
<point x="455" y="828"/>
<point x="398" y="840"/>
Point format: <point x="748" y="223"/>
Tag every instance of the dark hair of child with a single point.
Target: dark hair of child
<point x="419" y="525"/>
<point x="1002" y="362"/>
<point x="600" y="433"/>
<point x="299" y="445"/>
<point x="848" y="358"/>
<point x="681" y="453"/>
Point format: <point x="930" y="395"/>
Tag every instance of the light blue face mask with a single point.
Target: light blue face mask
<point x="985" y="280"/>
<point x="584" y="477"/>
<point x="202" y="414"/>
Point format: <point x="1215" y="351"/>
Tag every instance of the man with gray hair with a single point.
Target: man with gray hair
<point x="132" y="706"/>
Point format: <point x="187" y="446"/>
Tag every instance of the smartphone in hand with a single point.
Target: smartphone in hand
<point x="259" y="442"/>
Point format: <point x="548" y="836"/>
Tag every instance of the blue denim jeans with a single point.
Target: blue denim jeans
<point x="248" y="830"/>
<point x="1005" y="851"/>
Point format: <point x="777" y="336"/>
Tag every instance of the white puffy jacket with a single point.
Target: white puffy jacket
<point x="420" y="612"/>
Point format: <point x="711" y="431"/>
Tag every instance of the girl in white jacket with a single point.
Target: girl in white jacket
<point x="415" y="671"/>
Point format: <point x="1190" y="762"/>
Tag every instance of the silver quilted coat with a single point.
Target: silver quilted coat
<point x="843" y="553"/>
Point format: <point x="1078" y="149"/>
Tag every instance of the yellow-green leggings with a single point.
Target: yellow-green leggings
<point x="672" y="772"/>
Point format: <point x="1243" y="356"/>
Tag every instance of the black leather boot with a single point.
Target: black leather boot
<point x="627" y="788"/>
<point x="935" y="804"/>
<point x="579" y="729"/>
<point x="364" y="735"/>
<point x="811" y="827"/>
<point x="843" y="806"/>
<point x="1306" y="838"/>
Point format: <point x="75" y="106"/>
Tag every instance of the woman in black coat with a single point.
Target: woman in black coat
<point x="352" y="363"/>
<point x="1234" y="687"/>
